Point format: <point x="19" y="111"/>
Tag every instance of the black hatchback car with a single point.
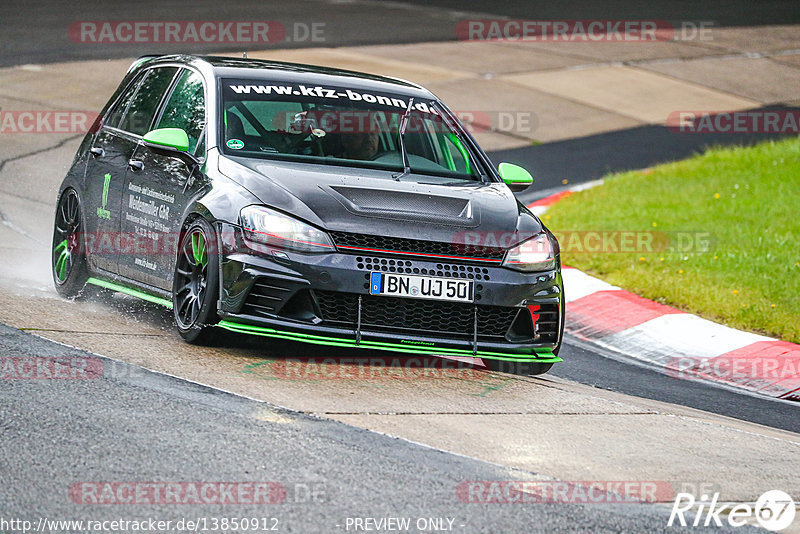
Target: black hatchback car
<point x="310" y="204"/>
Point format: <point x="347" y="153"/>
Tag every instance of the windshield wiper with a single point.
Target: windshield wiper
<point x="401" y="130"/>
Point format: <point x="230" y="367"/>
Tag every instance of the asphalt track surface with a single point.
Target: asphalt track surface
<point x="722" y="13"/>
<point x="121" y="427"/>
<point x="36" y="31"/>
<point x="621" y="375"/>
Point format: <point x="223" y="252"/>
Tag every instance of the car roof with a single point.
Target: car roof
<point x="261" y="69"/>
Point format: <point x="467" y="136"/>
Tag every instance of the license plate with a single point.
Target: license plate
<point x="421" y="287"/>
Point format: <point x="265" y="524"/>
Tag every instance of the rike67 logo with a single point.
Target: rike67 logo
<point x="773" y="511"/>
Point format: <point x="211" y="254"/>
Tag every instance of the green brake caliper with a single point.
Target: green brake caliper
<point x="62" y="255"/>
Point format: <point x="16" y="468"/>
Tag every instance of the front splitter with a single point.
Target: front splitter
<point x="540" y="355"/>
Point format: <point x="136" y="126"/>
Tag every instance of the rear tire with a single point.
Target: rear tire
<point x="68" y="256"/>
<point x="518" y="368"/>
<point x="195" y="284"/>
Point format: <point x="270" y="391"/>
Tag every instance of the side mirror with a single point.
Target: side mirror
<point x="169" y="142"/>
<point x="515" y="177"/>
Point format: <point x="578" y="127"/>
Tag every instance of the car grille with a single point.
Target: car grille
<point x="407" y="267"/>
<point x="360" y="243"/>
<point x="415" y="316"/>
<point x="271" y="297"/>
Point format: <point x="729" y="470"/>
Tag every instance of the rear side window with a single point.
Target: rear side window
<point x="124" y="101"/>
<point x="185" y="108"/>
<point x="145" y="102"/>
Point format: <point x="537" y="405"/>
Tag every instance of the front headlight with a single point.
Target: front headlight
<point x="535" y="254"/>
<point x="263" y="225"/>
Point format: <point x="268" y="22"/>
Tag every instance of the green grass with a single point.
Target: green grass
<point x="748" y="199"/>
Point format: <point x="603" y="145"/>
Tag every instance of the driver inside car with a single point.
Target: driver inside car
<point x="361" y="145"/>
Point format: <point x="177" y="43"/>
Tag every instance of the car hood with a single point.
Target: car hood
<point x="369" y="201"/>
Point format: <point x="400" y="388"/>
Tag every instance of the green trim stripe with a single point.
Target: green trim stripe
<point x="542" y="355"/>
<point x="106" y="183"/>
<point x="130" y="291"/>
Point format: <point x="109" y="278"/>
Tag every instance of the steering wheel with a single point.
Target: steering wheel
<point x="295" y="140"/>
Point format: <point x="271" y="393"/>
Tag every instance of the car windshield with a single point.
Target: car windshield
<point x="341" y="126"/>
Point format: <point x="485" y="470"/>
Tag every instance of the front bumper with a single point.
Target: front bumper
<point x="325" y="299"/>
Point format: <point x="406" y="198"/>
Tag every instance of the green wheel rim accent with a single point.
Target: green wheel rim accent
<point x="62" y="255"/>
<point x="199" y="249"/>
<point x="66" y="235"/>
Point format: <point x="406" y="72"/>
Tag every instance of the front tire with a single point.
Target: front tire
<point x="195" y="285"/>
<point x="68" y="257"/>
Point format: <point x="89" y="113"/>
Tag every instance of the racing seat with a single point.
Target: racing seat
<point x="234" y="129"/>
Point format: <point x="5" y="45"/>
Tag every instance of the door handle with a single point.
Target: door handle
<point x="135" y="164"/>
<point x="97" y="152"/>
